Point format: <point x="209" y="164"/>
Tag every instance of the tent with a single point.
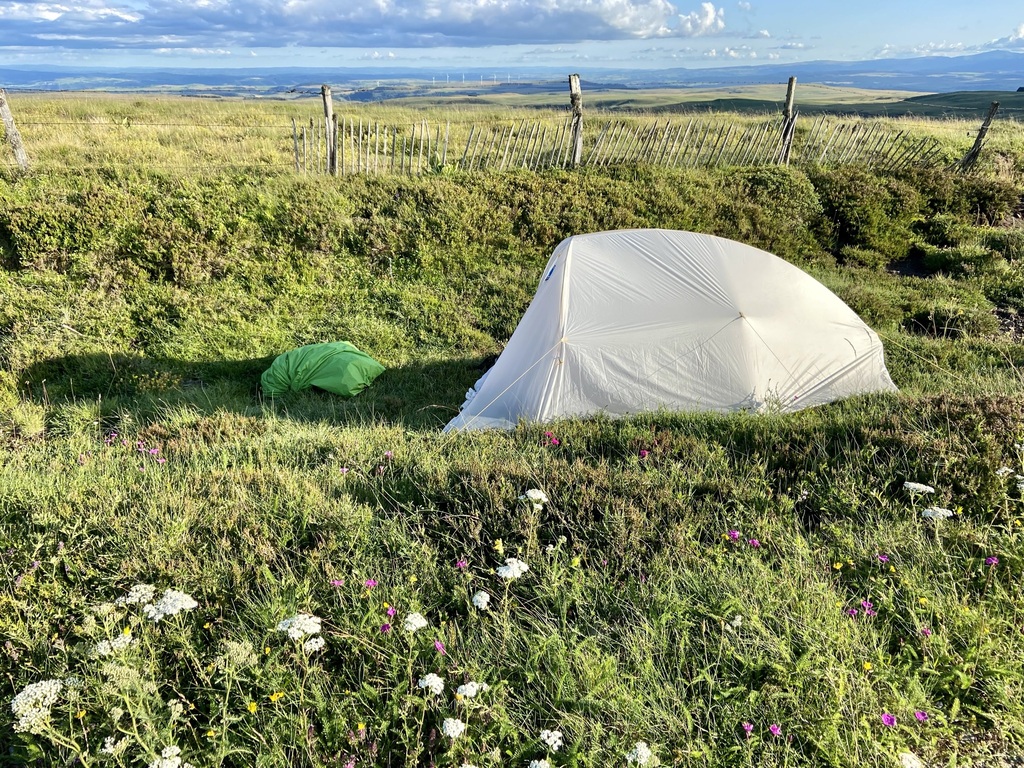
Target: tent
<point x="649" y="319"/>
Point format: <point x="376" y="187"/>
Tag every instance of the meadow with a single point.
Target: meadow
<point x="196" y="574"/>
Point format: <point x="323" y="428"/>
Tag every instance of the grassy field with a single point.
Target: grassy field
<point x="195" y="573"/>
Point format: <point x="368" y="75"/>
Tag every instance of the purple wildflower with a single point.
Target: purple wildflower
<point x="889" y="721"/>
<point x="776" y="729"/>
<point x="993" y="560"/>
<point x="921" y="716"/>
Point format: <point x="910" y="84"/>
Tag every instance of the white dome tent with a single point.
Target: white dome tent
<point x="650" y="319"/>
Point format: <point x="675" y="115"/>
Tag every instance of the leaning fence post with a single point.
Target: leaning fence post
<point x="13" y="137"/>
<point x="968" y="160"/>
<point x="331" y="155"/>
<point x="789" y="124"/>
<point x="576" y="102"/>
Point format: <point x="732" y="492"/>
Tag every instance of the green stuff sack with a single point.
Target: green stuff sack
<point x="335" y="366"/>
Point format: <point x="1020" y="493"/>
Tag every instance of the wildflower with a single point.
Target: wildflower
<point x="737" y="621"/>
<point x="276" y="696"/>
<point x="337" y="582"/>
<point x="452" y="728"/>
<point x="300" y="625"/>
<point x="552" y="738"/>
<point x="439" y="646"/>
<point x="385" y="627"/>
<point x="748" y="729"/>
<point x="512" y="569"/>
<point x="140" y="593"/>
<point x="391" y="610"/>
<point x="109" y="647"/>
<point x="539" y="764"/>
<point x="776" y="729"/>
<point x="923" y="600"/>
<point x="169" y="758"/>
<point x="918" y="487"/>
<point x="639" y="754"/>
<point x="754" y="543"/>
<point x="852" y="612"/>
<point x="313" y="645"/>
<point x="461" y="564"/>
<point x="921" y="716"/>
<point x="414" y="622"/>
<point x="926" y="632"/>
<point x="883" y="558"/>
<point x="992" y="560"/>
<point x="112" y="747"/>
<point x="536" y="497"/>
<point x="734" y="535"/>
<point x="370" y="583"/>
<point x="470" y="690"/>
<point x="499" y="546"/>
<point x="343" y="470"/>
<point x="889" y="721"/>
<point x="644" y="453"/>
<point x="866" y="605"/>
<point x="432" y="683"/>
<point x="389" y="455"/>
<point x="1004" y="471"/>
<point x="867" y="666"/>
<point x="481" y="600"/>
<point x="252" y="706"/>
<point x="32" y="705"/>
<point x="936" y="513"/>
<point x="172" y="602"/>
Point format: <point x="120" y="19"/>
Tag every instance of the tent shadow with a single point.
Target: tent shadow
<point x="421" y="395"/>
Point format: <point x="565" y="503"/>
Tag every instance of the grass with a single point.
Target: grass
<point x="140" y="306"/>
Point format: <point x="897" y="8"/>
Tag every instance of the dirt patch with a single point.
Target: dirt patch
<point x="1010" y="323"/>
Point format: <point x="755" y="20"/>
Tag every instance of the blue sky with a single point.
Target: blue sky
<point x="449" y="36"/>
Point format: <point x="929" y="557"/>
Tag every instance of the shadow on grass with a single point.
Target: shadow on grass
<point x="417" y="395"/>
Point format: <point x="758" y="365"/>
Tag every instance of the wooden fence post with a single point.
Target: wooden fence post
<point x="968" y="160"/>
<point x="789" y="124"/>
<point x="332" y="155"/>
<point x="576" y="102"/>
<point x="13" y="137"/>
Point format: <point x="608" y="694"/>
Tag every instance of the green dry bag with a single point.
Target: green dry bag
<point x="335" y="366"/>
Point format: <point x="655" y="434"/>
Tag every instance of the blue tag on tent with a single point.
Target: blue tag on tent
<point x="551" y="272"/>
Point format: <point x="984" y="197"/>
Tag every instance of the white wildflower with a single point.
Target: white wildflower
<point x="471" y="689"/>
<point x="172" y="602"/>
<point x="737" y="621"/>
<point x="1001" y="472"/>
<point x="300" y="625"/>
<point x="536" y="497"/>
<point x="139" y="594"/>
<point x="918" y="487"/>
<point x="432" y="683"/>
<point x="639" y="754"/>
<point x="414" y="622"/>
<point x="481" y="600"/>
<point x="513" y="569"/>
<point x="452" y="728"/>
<point x="103" y="610"/>
<point x="552" y="738"/>
<point x="170" y="757"/>
<point x="910" y="760"/>
<point x="73" y="683"/>
<point x="539" y="764"/>
<point x="313" y="645"/>
<point x="936" y="513"/>
<point x="110" y="647"/>
<point x="468" y="765"/>
<point x="112" y="747"/>
<point x="32" y="705"/>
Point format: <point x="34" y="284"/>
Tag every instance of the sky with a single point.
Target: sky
<point x="449" y="36"/>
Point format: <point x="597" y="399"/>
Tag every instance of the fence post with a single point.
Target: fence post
<point x="576" y="102"/>
<point x="968" y="160"/>
<point x="332" y="155"/>
<point x="789" y="124"/>
<point x="13" y="137"/>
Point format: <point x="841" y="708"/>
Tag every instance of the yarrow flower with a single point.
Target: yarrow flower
<point x="536" y="497"/>
<point x="936" y="513"/>
<point x="313" y="645"/>
<point x="539" y="764"/>
<point x="170" y="757"/>
<point x="552" y="738"/>
<point x="481" y="600"/>
<point x="114" y="747"/>
<point x="109" y="647"/>
<point x="512" y="569"/>
<point x="471" y="689"/>
<point x="414" y="622"/>
<point x="32" y="705"/>
<point x="918" y="487"/>
<point x="171" y="603"/>
<point x="300" y="625"/>
<point x="639" y="754"/>
<point x="139" y="594"/>
<point x="432" y="683"/>
<point x="452" y="728"/>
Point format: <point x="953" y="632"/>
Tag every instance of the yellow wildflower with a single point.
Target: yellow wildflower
<point x="838" y="566"/>
<point x="923" y="601"/>
<point x="867" y="666"/>
<point x="276" y="695"/>
<point x="252" y="706"/>
<point x="575" y="562"/>
<point x="499" y="546"/>
<point x="80" y="714"/>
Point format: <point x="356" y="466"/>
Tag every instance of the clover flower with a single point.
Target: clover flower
<point x="109" y="647"/>
<point x="471" y="689"/>
<point x="432" y="683"/>
<point x="139" y="594"/>
<point x="300" y="625"/>
<point x="32" y="705"/>
<point x="639" y="754"/>
<point x="481" y="600"/>
<point x="171" y="603"/>
<point x="452" y="728"/>
<point x="313" y="645"/>
<point x="754" y="543"/>
<point x="936" y="513"/>
<point x="512" y="569"/>
<point x="733" y="535"/>
<point x="926" y="632"/>
<point x="536" y="497"/>
<point x="918" y="487"/>
<point x="552" y="738"/>
<point x="414" y="622"/>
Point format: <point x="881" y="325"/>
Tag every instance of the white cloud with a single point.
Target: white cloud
<point x="703" y="22"/>
<point x="744" y="6"/>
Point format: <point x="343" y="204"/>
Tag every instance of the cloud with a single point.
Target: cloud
<point x="246" y="24"/>
<point x="744" y="6"/>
